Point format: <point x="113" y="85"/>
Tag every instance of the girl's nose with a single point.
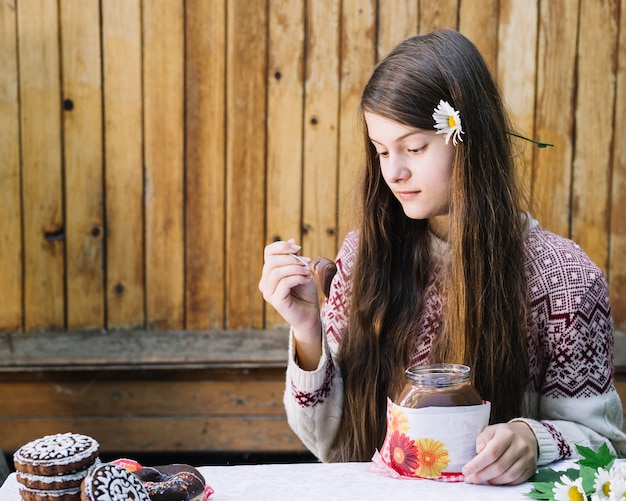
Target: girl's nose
<point x="397" y="170"/>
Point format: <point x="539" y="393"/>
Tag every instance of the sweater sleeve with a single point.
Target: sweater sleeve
<point x="576" y="399"/>
<point x="314" y="399"/>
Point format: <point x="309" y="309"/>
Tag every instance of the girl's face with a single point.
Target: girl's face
<point x="416" y="165"/>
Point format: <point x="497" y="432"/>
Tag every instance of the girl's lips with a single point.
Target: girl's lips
<point x="407" y="195"/>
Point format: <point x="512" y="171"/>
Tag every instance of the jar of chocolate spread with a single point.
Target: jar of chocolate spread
<point x="438" y="385"/>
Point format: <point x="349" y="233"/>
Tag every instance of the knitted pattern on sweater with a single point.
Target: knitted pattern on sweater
<point x="573" y="399"/>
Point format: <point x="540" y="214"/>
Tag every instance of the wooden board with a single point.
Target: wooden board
<point x="556" y="87"/>
<point x="42" y="193"/>
<point x="592" y="155"/>
<point x="397" y="20"/>
<point x="83" y="162"/>
<point x="205" y="121"/>
<point x="123" y="152"/>
<point x="182" y="410"/>
<point x="480" y="25"/>
<point x="358" y="55"/>
<point x="10" y="202"/>
<point x="144" y="395"/>
<point x="163" y="84"/>
<point x="134" y="350"/>
<point x="156" y="434"/>
<point x="617" y="249"/>
<point x="438" y="15"/>
<point x="321" y="131"/>
<point x="516" y="75"/>
<point x="246" y="83"/>
<point x="285" y="103"/>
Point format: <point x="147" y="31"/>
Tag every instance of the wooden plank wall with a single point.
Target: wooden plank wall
<point x="149" y="150"/>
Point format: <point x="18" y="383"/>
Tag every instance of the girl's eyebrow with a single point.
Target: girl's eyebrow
<point x="403" y="136"/>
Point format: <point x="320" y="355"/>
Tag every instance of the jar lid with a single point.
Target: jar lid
<point x="439" y="375"/>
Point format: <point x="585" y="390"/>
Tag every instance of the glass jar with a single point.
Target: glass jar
<point x="438" y="385"/>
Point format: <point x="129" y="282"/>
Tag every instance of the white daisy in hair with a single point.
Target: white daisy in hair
<point x="448" y="122"/>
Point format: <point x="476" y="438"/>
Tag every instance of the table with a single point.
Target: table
<point x="323" y="482"/>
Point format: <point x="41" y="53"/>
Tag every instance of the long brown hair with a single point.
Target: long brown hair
<point x="483" y="283"/>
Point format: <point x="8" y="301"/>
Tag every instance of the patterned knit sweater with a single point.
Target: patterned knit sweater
<point x="573" y="400"/>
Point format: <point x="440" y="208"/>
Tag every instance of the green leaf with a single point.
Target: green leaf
<point x="550" y="475"/>
<point x="588" y="475"/>
<point x="601" y="459"/>
<point x="542" y="490"/>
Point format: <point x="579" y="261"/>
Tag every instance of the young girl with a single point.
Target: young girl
<point x="445" y="266"/>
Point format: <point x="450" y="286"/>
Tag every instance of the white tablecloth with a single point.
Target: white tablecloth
<point x="323" y="482"/>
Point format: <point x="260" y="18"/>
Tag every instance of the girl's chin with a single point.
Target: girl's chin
<point x="411" y="213"/>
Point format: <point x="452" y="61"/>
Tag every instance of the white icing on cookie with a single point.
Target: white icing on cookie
<point x="51" y="493"/>
<point x="109" y="482"/>
<point x="76" y="476"/>
<point x="61" y="449"/>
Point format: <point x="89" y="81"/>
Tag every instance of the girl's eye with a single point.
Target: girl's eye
<point x="416" y="150"/>
<point x="382" y="154"/>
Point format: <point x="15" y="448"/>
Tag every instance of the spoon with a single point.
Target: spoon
<point x="305" y="261"/>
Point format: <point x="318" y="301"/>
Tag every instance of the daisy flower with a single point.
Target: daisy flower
<point x="602" y="484"/>
<point x="398" y="420"/>
<point x="403" y="454"/>
<point x="618" y="488"/>
<point x="569" y="490"/>
<point x="432" y="457"/>
<point x="448" y="122"/>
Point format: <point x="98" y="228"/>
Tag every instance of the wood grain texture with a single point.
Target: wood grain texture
<point x="617" y="248"/>
<point x="83" y="162"/>
<point x="285" y="108"/>
<point x="397" y="20"/>
<point x="438" y="15"/>
<point x="592" y="154"/>
<point x="123" y="151"/>
<point x="136" y="350"/>
<point x="556" y="93"/>
<point x="149" y="411"/>
<point x="163" y="87"/>
<point x="516" y="74"/>
<point x="42" y="192"/>
<point x="480" y="25"/>
<point x="207" y="156"/>
<point x="156" y="434"/>
<point x="96" y="395"/>
<point x="358" y="56"/>
<point x="11" y="285"/>
<point x="246" y="82"/>
<point x="205" y="120"/>
<point x="321" y="132"/>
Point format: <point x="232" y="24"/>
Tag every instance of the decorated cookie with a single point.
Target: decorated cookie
<point x="56" y="454"/>
<point x="110" y="482"/>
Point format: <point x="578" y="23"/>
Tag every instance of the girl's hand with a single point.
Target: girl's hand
<point x="506" y="455"/>
<point x="288" y="285"/>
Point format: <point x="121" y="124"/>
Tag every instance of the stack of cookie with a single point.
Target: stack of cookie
<point x="54" y="466"/>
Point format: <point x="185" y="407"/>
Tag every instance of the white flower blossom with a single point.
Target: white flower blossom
<point x="569" y="490"/>
<point x="448" y="122"/>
